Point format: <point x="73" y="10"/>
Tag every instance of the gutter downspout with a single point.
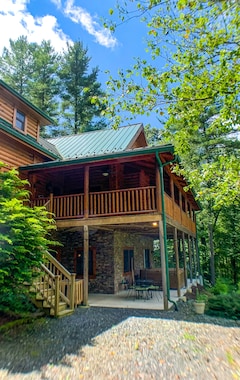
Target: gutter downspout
<point x="161" y="166"/>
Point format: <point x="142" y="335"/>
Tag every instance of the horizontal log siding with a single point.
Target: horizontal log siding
<point x="6" y="110"/>
<point x="32" y="127"/>
<point x="7" y="113"/>
<point x="15" y="154"/>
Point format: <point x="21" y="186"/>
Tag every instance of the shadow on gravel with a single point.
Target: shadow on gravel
<point x="46" y="341"/>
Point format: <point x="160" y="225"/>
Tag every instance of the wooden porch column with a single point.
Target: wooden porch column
<point x="198" y="259"/>
<point x="177" y="260"/>
<point x="85" y="264"/>
<point x="86" y="192"/>
<point x="163" y="265"/>
<point x="184" y="259"/>
<point x="158" y="189"/>
<point x="190" y="258"/>
<point x="194" y="259"/>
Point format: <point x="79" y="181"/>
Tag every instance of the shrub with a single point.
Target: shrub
<point x="222" y="286"/>
<point x="24" y="237"/>
<point x="225" y="306"/>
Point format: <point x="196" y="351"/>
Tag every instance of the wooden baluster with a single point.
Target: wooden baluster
<point x="57" y="294"/>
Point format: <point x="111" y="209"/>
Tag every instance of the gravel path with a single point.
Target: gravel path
<point x="114" y="344"/>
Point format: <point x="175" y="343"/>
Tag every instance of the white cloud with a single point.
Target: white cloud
<point x="81" y="16"/>
<point x="58" y="3"/>
<point x="16" y="21"/>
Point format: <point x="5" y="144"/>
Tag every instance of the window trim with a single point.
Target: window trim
<point x="16" y="112"/>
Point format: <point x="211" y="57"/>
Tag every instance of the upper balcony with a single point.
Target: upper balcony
<point x="134" y="201"/>
<point x="112" y="189"/>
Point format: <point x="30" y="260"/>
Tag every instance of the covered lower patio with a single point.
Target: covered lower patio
<point x="128" y="299"/>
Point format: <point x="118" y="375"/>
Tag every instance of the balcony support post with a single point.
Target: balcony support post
<point x="86" y="192"/>
<point x="85" y="264"/>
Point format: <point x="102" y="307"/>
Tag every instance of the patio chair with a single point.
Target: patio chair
<point x="156" y="289"/>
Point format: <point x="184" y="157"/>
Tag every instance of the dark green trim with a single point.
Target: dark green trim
<point x="160" y="167"/>
<point x="24" y="100"/>
<point x="7" y="127"/>
<point x="129" y="153"/>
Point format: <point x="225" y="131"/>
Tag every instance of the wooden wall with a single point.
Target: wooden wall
<point x="7" y="108"/>
<point x="15" y="154"/>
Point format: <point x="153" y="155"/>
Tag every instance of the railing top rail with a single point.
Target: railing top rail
<point x="122" y="190"/>
<point x="59" y="266"/>
<point x="48" y="271"/>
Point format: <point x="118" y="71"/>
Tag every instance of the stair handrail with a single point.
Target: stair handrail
<point x="67" y="274"/>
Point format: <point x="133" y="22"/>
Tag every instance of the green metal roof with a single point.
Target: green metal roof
<point x="36" y="109"/>
<point x="7" y="127"/>
<point x="96" y="143"/>
<point x="168" y="148"/>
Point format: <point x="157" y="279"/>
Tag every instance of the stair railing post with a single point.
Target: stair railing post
<point x="51" y="204"/>
<point x="72" y="293"/>
<point x="57" y="295"/>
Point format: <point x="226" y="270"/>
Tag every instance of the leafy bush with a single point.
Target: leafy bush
<point x="225" y="306"/>
<point x="222" y="286"/>
<point x="24" y="233"/>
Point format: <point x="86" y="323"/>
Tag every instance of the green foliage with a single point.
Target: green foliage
<point x="224" y="305"/>
<point x="16" y="64"/>
<point x="24" y="237"/>
<point x="80" y="91"/>
<point x="191" y="81"/>
<point x="61" y="85"/>
<point x="222" y="286"/>
<point x="200" y="296"/>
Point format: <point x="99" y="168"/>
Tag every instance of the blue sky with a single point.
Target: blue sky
<point x="62" y="21"/>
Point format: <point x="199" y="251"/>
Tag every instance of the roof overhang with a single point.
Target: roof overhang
<point x="7" y="128"/>
<point x="168" y="148"/>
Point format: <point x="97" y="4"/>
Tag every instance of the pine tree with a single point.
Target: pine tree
<point x="44" y="87"/>
<point x="79" y="112"/>
<point x="16" y="64"/>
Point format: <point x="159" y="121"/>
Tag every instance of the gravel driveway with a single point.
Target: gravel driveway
<point x="106" y="343"/>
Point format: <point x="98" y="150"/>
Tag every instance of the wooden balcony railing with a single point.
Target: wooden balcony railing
<point x="122" y="201"/>
<point x="114" y="202"/>
<point x="105" y="203"/>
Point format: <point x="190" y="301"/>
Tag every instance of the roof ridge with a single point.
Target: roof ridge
<point x="95" y="131"/>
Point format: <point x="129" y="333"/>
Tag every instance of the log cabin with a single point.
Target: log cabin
<point x="113" y="198"/>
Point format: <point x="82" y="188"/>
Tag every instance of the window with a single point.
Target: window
<point x="147" y="258"/>
<point x="20" y="120"/>
<point x="128" y="260"/>
<point x="183" y="204"/>
<point x="167" y="183"/>
<point x="176" y="194"/>
<point x="79" y="262"/>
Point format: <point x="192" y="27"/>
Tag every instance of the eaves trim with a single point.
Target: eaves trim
<point x="36" y="109"/>
<point x="7" y="127"/>
<point x="130" y="153"/>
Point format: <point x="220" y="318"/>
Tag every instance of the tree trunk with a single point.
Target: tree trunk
<point x="212" y="258"/>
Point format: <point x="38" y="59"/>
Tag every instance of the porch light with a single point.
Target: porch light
<point x="105" y="174"/>
<point x="154" y="224"/>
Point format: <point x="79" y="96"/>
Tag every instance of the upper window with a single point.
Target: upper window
<point x="176" y="194"/>
<point x="167" y="183"/>
<point x="183" y="203"/>
<point x="20" y="120"/>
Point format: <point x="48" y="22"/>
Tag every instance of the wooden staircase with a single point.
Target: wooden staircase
<point x="55" y="290"/>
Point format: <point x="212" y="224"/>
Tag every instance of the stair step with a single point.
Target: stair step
<point x="66" y="312"/>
